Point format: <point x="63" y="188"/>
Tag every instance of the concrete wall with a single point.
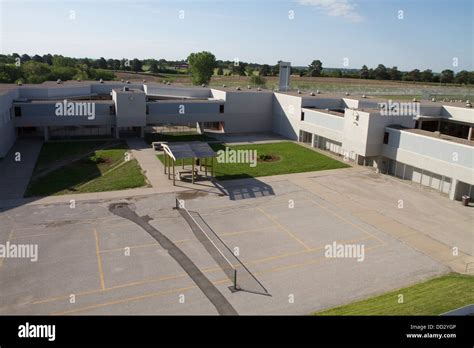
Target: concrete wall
<point x="169" y="112"/>
<point x="130" y="108"/>
<point x="286" y="115"/>
<point x="458" y="113"/>
<point x="323" y="124"/>
<point x="43" y="114"/>
<point x="7" y="129"/>
<point x="248" y="111"/>
<point x="170" y="91"/>
<point x="435" y="155"/>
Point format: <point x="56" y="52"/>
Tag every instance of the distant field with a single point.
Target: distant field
<point x="393" y="89"/>
<point x="433" y="297"/>
<point x="104" y="170"/>
<point x="288" y="158"/>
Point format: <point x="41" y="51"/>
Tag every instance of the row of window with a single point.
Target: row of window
<point x="111" y="110"/>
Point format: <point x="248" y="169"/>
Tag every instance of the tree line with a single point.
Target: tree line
<point x="201" y="65"/>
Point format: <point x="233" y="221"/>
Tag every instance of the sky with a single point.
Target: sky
<point x="409" y="34"/>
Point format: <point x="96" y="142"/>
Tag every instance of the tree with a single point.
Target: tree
<point x="257" y="80"/>
<point x="48" y="59"/>
<point x="239" y="69"/>
<point x="413" y="75"/>
<point x="220" y="71"/>
<point x="202" y="66"/>
<point x="394" y="74"/>
<point x="447" y="76"/>
<point x="25" y="58"/>
<point x="37" y="58"/>
<point x="101" y="63"/>
<point x="462" y="77"/>
<point x="63" y="61"/>
<point x="136" y="65"/>
<point x="381" y="72"/>
<point x="315" y="68"/>
<point x="264" y="70"/>
<point x="427" y="75"/>
<point x="153" y="68"/>
<point x="35" y="72"/>
<point x="364" y="72"/>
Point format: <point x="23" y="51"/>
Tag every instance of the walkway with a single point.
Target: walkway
<point x="15" y="175"/>
<point x="151" y="165"/>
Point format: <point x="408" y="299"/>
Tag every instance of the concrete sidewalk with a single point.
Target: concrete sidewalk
<point x="16" y="174"/>
<point x="151" y="165"/>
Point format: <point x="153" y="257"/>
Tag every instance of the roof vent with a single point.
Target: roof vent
<point x="414" y="100"/>
<point x="101" y="81"/>
<point x="318" y="91"/>
<point x="347" y="93"/>
<point x="203" y="85"/>
<point x="224" y="86"/>
<point x="128" y="82"/>
<point x="299" y="92"/>
<point x="19" y="83"/>
<point x="59" y="81"/>
<point x="433" y="99"/>
<point x="125" y="88"/>
<point x="168" y="83"/>
<point x="259" y="89"/>
<point x="364" y="96"/>
<point x="237" y="88"/>
<point x="78" y="80"/>
<point x="312" y="94"/>
<point x="122" y="80"/>
<point x="468" y="104"/>
<point x="248" y="87"/>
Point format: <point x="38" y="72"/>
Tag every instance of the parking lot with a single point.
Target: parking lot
<point x="91" y="261"/>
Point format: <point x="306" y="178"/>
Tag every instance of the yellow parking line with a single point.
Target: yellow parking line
<point x="99" y="260"/>
<point x="181" y="275"/>
<point x="284" y="228"/>
<point x="349" y="222"/>
<point x="167" y="292"/>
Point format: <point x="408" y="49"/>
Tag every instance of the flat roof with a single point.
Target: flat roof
<point x="434" y="135"/>
<point x="196" y="149"/>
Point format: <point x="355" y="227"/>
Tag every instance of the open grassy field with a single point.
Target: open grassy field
<point x="433" y="297"/>
<point x="105" y="170"/>
<point x="287" y="157"/>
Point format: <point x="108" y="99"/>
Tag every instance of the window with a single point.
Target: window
<point x="221" y="109"/>
<point x="385" y="137"/>
<point x="302" y="116"/>
<point x="17" y="111"/>
<point x="147" y="110"/>
<point x="112" y="110"/>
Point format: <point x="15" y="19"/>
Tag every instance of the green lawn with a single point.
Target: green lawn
<point x="293" y="158"/>
<point x="175" y="137"/>
<point x="106" y="170"/>
<point x="56" y="151"/>
<point x="433" y="297"/>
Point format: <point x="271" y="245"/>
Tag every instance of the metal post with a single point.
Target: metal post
<point x="205" y="166"/>
<point x="192" y="171"/>
<point x="212" y="166"/>
<point x="235" y="279"/>
<point x="174" y="175"/>
<point x="182" y="163"/>
<point x="164" y="160"/>
<point x="169" y="168"/>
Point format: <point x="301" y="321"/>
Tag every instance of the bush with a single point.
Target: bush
<point x="257" y="80"/>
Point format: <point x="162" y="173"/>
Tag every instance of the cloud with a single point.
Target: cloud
<point x="335" y="8"/>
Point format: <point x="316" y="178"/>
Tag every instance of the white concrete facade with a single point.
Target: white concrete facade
<point x="360" y="129"/>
